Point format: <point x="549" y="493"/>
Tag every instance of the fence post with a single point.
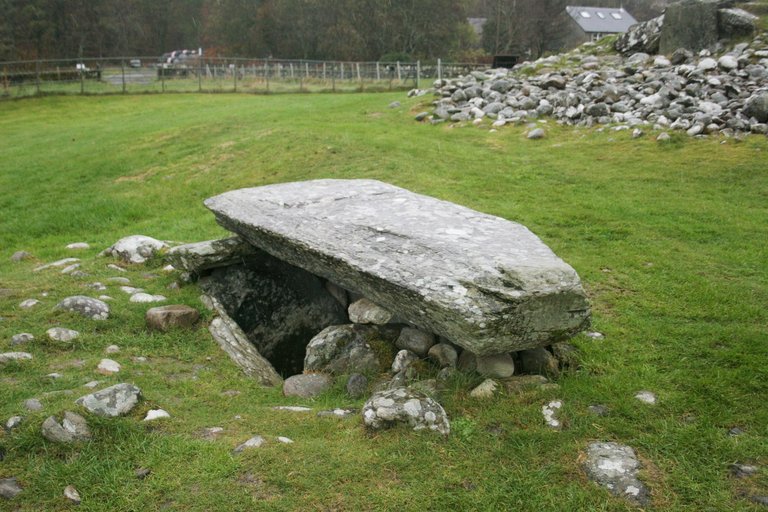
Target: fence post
<point x="122" y="71"/>
<point x="418" y="73"/>
<point x="342" y="71"/>
<point x="399" y="78"/>
<point x="378" y="72"/>
<point x="37" y="76"/>
<point x="200" y="74"/>
<point x="440" y="70"/>
<point x="82" y="81"/>
<point x="333" y="76"/>
<point x="266" y="72"/>
<point x="234" y="73"/>
<point x="323" y="71"/>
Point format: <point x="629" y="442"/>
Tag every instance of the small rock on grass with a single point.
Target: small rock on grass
<point x="29" y="303"/>
<point x="72" y="428"/>
<point x="550" y="414"/>
<point x="33" y="404"/>
<point x="112" y="349"/>
<point x="9" y="488"/>
<point x="165" y="318"/>
<point x="646" y="397"/>
<point x="536" y="133"/>
<point x="156" y="414"/>
<point x="615" y="467"/>
<point x="85" y="306"/>
<point x="61" y="334"/>
<point x="306" y="385"/>
<point x="78" y="246"/>
<point x="72" y="495"/>
<point x="59" y="263"/>
<point x="357" y="385"/>
<point x="13" y="422"/>
<point x="20" y="255"/>
<point x="142" y="473"/>
<point x="113" y="401"/>
<point x="254" y="442"/>
<point x="285" y="440"/>
<point x="743" y="470"/>
<point x="14" y="356"/>
<point x="142" y="297"/>
<point x="485" y="390"/>
<point x="598" y="410"/>
<point x="337" y="413"/>
<point x="21" y="338"/>
<point x="108" y="367"/>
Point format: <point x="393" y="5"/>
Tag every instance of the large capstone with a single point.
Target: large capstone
<point x="484" y="283"/>
<point x="278" y="306"/>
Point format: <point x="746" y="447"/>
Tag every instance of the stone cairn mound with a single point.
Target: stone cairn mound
<point x="713" y="91"/>
<point x="388" y="290"/>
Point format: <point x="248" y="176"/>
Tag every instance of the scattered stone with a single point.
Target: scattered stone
<point x="78" y="246"/>
<point x="142" y="473"/>
<point x="615" y="467"/>
<point x="146" y="297"/>
<point x="99" y="287"/>
<point x="498" y="366"/>
<point x="357" y="385"/>
<point x="139" y="359"/>
<point x="156" y="414"/>
<point x="108" y="367"/>
<point x="403" y="360"/>
<point x="112" y="266"/>
<point x="29" y="303"/>
<point x="123" y="281"/>
<point x="55" y="376"/>
<point x="211" y="433"/>
<point x="743" y="470"/>
<point x="59" y="263"/>
<point x="757" y="106"/>
<point x="105" y="297"/>
<point x="292" y="408"/>
<point x="85" y="306"/>
<point x="663" y="136"/>
<point x="92" y="384"/>
<point x="135" y="249"/>
<point x="285" y="440"/>
<point x="760" y="500"/>
<point x="550" y="412"/>
<point x="364" y="311"/>
<point x="735" y="22"/>
<point x="535" y="134"/>
<point x="20" y="255"/>
<point x="444" y="355"/>
<point x="13" y="422"/>
<point x="72" y="495"/>
<point x="70" y="269"/>
<point x="335" y="228"/>
<point x="520" y="383"/>
<point x="338" y="413"/>
<point x="254" y="442"/>
<point x="401" y="405"/>
<point x="417" y="341"/>
<point x="72" y="429"/>
<point x="21" y="338"/>
<point x="113" y="401"/>
<point x="486" y="389"/>
<point x="61" y="334"/>
<point x="736" y="431"/>
<point x="33" y="404"/>
<point x="14" y="356"/>
<point x="112" y="349"/>
<point x="309" y="385"/>
<point x="165" y="318"/>
<point x="595" y="335"/>
<point x="9" y="488"/>
<point x="539" y="360"/>
<point x="646" y="397"/>
<point x="598" y="410"/>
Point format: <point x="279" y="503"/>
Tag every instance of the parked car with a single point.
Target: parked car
<point x="135" y="63"/>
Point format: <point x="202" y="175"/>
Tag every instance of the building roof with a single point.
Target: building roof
<point x="601" y="19"/>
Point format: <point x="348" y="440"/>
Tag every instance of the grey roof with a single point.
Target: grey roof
<point x="601" y="19"/>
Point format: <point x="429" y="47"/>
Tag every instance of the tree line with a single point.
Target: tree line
<point x="300" y="29"/>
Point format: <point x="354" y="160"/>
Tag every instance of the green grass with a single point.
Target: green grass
<point x="669" y="240"/>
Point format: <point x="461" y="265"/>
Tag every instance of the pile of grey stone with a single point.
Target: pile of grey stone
<point x="389" y="290"/>
<point x="709" y="90"/>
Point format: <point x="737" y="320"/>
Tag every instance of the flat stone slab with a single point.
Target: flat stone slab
<point x="483" y="282"/>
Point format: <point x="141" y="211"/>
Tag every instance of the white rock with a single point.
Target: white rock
<point x="130" y="290"/>
<point x="156" y="414"/>
<point x="78" y="245"/>
<point x="254" y="442"/>
<point x="29" y="303"/>
<point x="105" y="297"/>
<point x="54" y="375"/>
<point x="13" y="422"/>
<point x="108" y="367"/>
<point x="92" y="384"/>
<point x="112" y="349"/>
<point x="291" y="408"/>
<point x="485" y="390"/>
<point x="146" y="297"/>
<point x="728" y="62"/>
<point x="61" y="334"/>
<point x="72" y="495"/>
<point x="707" y="64"/>
<point x="646" y="397"/>
<point x="59" y="263"/>
<point x="116" y="267"/>
<point x="14" y="356"/>
<point x="71" y="268"/>
<point x="285" y="440"/>
<point x="549" y="411"/>
<point x="135" y="248"/>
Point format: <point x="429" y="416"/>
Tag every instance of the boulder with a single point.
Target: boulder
<point x="341" y="349"/>
<point x="363" y="311"/>
<point x="735" y="23"/>
<point x="405" y="406"/>
<point x="135" y="248"/>
<point x="417" y="341"/>
<point x="757" y="106"/>
<point x="278" y="306"/>
<point x="88" y="307"/>
<point x="485" y="283"/>
<point x="444" y="355"/>
<point x="73" y="428"/>
<point x="641" y="37"/>
<point x="307" y="385"/>
<point x="495" y="366"/>
<point x="113" y="401"/>
<point x="176" y="316"/>
<point x="690" y="24"/>
<point x="357" y="385"/>
<point x="200" y="256"/>
<point x="615" y="466"/>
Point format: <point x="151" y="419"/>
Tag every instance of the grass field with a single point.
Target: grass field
<point x="669" y="240"/>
